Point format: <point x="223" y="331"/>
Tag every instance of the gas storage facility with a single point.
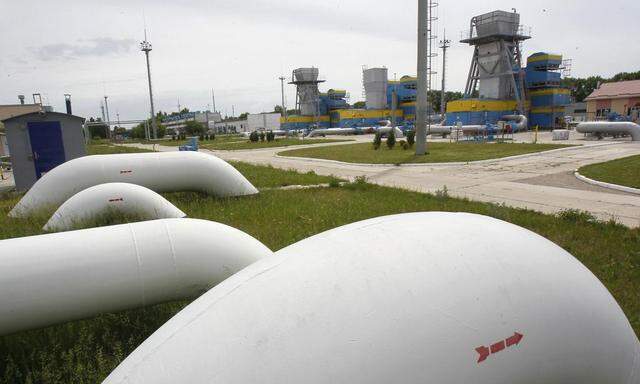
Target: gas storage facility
<point x="499" y="84"/>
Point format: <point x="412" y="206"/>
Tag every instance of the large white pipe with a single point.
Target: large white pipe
<point x="521" y="122"/>
<point x="65" y="276"/>
<point x="387" y="130"/>
<point x="461" y="299"/>
<point x="332" y="131"/>
<point x="158" y="171"/>
<point x="123" y="198"/>
<point x="611" y="128"/>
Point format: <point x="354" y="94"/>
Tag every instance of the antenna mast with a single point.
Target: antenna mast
<point x="146" y="47"/>
<point x="444" y="44"/>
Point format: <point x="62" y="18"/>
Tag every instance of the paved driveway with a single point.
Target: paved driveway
<point x="542" y="182"/>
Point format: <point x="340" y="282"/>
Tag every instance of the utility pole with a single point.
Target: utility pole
<point x="179" y="106"/>
<point x="233" y="111"/>
<point x="104" y="119"/>
<point x="284" y="108"/>
<point x="106" y="106"/>
<point x="213" y="100"/>
<point x="422" y="96"/>
<point x="146" y="47"/>
<point x="444" y="44"/>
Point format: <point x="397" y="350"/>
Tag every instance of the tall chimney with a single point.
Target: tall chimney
<point x="67" y="101"/>
<point x="21" y="98"/>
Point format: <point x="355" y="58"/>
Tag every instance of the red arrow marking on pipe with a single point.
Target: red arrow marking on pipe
<point x="501" y="345"/>
<point x="484" y="352"/>
<point x="497" y="347"/>
<point x="515" y="339"/>
<point x="116" y="200"/>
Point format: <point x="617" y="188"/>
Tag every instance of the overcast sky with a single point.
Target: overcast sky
<point x="240" y="47"/>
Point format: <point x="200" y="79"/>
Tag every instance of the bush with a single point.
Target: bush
<point x="254" y="137"/>
<point x="212" y="136"/>
<point x="271" y="136"/>
<point x="193" y="128"/>
<point x="411" y="138"/>
<point x="377" y="141"/>
<point x="404" y="145"/>
<point x="391" y="139"/>
<point x="262" y="136"/>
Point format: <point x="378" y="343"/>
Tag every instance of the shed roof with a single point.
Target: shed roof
<point x="8" y="111"/>
<point x="617" y="90"/>
<point x="40" y="114"/>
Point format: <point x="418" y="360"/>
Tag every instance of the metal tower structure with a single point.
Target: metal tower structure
<point x="306" y="81"/>
<point x="213" y="100"/>
<point x="425" y="71"/>
<point x="444" y="45"/>
<point x="146" y="47"/>
<point x="496" y="66"/>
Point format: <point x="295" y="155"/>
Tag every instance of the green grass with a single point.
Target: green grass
<point x="234" y="143"/>
<point x="438" y="152"/>
<point x="108" y="148"/>
<point x="624" y="171"/>
<point x="86" y="351"/>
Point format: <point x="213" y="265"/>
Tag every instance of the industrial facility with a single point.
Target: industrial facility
<point x="499" y="84"/>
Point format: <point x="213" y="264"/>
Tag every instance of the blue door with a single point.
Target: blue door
<point x="46" y="145"/>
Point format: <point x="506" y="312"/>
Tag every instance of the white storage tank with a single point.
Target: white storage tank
<point x="375" y="81"/>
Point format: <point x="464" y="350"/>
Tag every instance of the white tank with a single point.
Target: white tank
<point x="375" y="87"/>
<point x="306" y="74"/>
<point x="417" y="298"/>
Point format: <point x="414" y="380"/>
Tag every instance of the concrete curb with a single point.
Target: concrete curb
<point x="602" y="184"/>
<point x="453" y="164"/>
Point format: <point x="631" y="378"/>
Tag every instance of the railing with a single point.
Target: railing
<point x="472" y="33"/>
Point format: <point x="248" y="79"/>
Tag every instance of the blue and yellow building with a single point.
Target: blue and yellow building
<point x="547" y="97"/>
<point x="545" y="102"/>
<point x="335" y="112"/>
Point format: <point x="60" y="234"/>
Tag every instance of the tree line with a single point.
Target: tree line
<point x="583" y="87"/>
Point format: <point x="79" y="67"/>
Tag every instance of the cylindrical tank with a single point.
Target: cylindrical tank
<point x="444" y="298"/>
<point x="375" y="87"/>
<point x="306" y="74"/>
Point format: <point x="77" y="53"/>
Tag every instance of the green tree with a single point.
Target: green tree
<point x="359" y="105"/>
<point x="391" y="139"/>
<point x="194" y="128"/>
<point x="581" y="88"/>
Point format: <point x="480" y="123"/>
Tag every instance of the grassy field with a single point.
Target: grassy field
<point x="86" y="351"/>
<point x="438" y="152"/>
<point x="106" y="148"/>
<point x="234" y="143"/>
<point x="622" y="171"/>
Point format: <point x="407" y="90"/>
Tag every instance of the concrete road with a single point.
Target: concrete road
<point x="543" y="182"/>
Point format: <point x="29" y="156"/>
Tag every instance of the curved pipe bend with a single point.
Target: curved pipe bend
<point x="120" y="197"/>
<point x="54" y="278"/>
<point x="158" y="171"/>
<point x="522" y="123"/>
<point x="375" y="311"/>
<point x="611" y="127"/>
